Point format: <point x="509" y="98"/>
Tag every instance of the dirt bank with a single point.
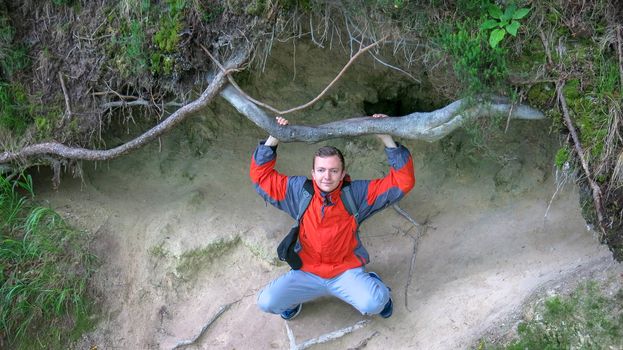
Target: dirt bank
<point x="184" y="240"/>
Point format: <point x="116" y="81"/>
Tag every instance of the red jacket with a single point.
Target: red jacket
<point x="328" y="240"/>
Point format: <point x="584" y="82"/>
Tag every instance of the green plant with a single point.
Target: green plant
<point x="478" y="66"/>
<point x="607" y="79"/>
<point x="562" y="157"/>
<point x="12" y="56"/>
<point x="130" y="53"/>
<point x="211" y="13"/>
<point x="587" y="319"/>
<point x="503" y="22"/>
<point x="167" y="36"/>
<point x="15" y="111"/>
<point x="44" y="270"/>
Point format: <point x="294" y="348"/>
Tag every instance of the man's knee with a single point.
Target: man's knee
<point x="374" y="303"/>
<point x="373" y="306"/>
<point x="266" y="302"/>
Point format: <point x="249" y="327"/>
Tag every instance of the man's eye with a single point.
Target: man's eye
<point x="334" y="171"/>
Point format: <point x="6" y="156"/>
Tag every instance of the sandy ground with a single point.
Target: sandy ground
<point x="185" y="244"/>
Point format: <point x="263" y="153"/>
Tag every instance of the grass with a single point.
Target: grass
<point x="44" y="270"/>
<point x="587" y="319"/>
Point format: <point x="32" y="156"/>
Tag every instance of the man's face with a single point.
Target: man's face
<point x="327" y="172"/>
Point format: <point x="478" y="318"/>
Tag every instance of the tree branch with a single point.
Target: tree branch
<point x="61" y="150"/>
<point x="427" y="126"/>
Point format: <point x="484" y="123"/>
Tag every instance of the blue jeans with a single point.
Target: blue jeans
<point x="355" y="286"/>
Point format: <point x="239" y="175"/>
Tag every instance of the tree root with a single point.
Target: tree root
<point x="218" y="314"/>
<point x="421" y="232"/>
<point x="325" y="337"/>
<point x="61" y="150"/>
<point x="362" y="344"/>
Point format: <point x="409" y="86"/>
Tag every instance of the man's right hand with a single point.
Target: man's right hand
<point x="273" y="141"/>
<point x="387" y="140"/>
<point x="282" y="121"/>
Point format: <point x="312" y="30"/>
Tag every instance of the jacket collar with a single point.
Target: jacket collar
<point x="334" y="195"/>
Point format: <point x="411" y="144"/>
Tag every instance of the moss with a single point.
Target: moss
<point x="191" y="262"/>
<point x="592" y="121"/>
<point x="541" y="96"/>
<point x="524" y="63"/>
<point x="261" y="253"/>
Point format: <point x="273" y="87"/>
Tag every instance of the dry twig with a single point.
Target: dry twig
<point x="620" y="52"/>
<point x="67" y="115"/>
<point x="276" y="111"/>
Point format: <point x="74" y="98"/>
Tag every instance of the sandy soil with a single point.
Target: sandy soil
<point x="185" y="244"/>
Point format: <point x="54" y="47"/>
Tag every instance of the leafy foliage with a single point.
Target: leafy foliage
<point x="477" y="66"/>
<point x="44" y="270"/>
<point x="504" y="22"/>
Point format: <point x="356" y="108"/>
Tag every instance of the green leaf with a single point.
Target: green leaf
<point x="512" y="28"/>
<point x="496" y="36"/>
<point x="521" y="13"/>
<point x="508" y="13"/>
<point x="489" y="24"/>
<point x="495" y="12"/>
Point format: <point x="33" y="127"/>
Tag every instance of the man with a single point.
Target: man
<point x="328" y="245"/>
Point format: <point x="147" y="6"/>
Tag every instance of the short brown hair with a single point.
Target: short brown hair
<point x="328" y="151"/>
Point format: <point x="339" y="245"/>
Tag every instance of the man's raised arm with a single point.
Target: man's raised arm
<point x="273" y="141"/>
